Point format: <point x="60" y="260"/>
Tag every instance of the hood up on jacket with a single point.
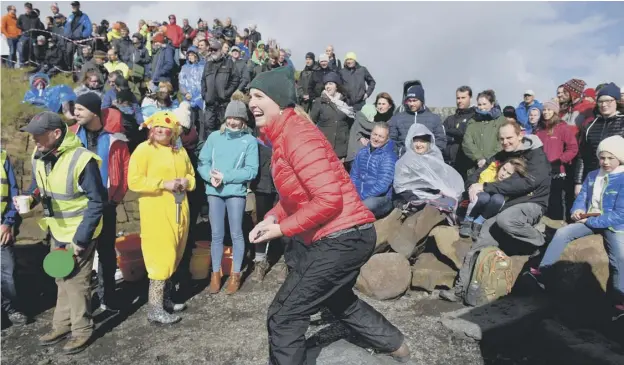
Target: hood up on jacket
<point x="418" y="129"/>
<point x="530" y="142"/>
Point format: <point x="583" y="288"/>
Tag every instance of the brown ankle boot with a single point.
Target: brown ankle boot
<point x="233" y="283"/>
<point x="215" y="283"/>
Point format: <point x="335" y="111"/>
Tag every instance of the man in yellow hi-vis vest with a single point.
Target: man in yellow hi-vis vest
<point x="10" y="217"/>
<point x="69" y="186"/>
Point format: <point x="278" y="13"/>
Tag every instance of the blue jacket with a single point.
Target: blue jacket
<point x="401" y="123"/>
<point x="522" y="113"/>
<point x="612" y="209"/>
<point x="163" y="63"/>
<point x="372" y="173"/>
<point x="9" y="216"/>
<point x="82" y="30"/>
<point x="235" y="155"/>
<point x="190" y="82"/>
<point x="111" y="95"/>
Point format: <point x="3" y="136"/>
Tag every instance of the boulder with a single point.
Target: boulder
<point x="384" y="276"/>
<point x="447" y="239"/>
<point x="412" y="235"/>
<point x="589" y="250"/>
<point x="386" y="227"/>
<point x="428" y="273"/>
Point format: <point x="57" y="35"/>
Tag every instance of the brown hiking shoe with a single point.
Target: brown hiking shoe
<point x="53" y="337"/>
<point x="76" y="344"/>
<point x="282" y="272"/>
<point x="215" y="283"/>
<point x="260" y="270"/>
<point x="402" y="354"/>
<point x="233" y="284"/>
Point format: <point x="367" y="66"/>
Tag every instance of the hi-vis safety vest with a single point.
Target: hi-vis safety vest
<point x="61" y="185"/>
<point x="4" y="179"/>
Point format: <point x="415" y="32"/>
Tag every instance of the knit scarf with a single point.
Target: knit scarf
<point x="491" y="114"/>
<point x="341" y="105"/>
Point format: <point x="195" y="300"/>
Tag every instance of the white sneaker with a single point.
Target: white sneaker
<point x="118" y="275"/>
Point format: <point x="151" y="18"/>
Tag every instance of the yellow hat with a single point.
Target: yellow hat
<point x="351" y="56"/>
<point x="165" y="119"/>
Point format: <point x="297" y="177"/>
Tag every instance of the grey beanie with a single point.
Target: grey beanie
<point x="236" y="109"/>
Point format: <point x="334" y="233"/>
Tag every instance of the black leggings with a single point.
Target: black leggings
<point x="264" y="203"/>
<point x="487" y="205"/>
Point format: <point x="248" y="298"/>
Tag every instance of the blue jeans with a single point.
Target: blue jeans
<point x="614" y="245"/>
<point x="378" y="205"/>
<point x="235" y="206"/>
<point x="13" y="52"/>
<point x="9" y="294"/>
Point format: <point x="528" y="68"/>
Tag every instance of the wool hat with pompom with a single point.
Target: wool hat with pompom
<point x="279" y="85"/>
<point x="614" y="145"/>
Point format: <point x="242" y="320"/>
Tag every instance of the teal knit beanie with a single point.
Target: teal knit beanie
<point x="278" y="84"/>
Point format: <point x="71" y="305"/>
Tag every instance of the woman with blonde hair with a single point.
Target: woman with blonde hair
<point x="332" y="229"/>
<point x="162" y="174"/>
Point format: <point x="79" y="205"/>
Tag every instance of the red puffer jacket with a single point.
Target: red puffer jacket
<point x="317" y="197"/>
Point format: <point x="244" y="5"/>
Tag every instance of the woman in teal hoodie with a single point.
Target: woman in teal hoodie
<point x="227" y="162"/>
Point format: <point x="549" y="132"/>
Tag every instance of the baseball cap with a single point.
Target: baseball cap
<point x="235" y="48"/>
<point x="43" y="122"/>
<point x="529" y="92"/>
<point x="75" y="3"/>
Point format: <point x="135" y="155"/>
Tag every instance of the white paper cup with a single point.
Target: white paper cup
<point x="23" y="203"/>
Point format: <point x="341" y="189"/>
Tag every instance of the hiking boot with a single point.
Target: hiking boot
<point x="260" y="270"/>
<point x="18" y="318"/>
<point x="476" y="231"/>
<point x="168" y="303"/>
<point x="76" y="344"/>
<point x="233" y="283"/>
<point x="619" y="313"/>
<point x="449" y="295"/>
<point x="215" y="283"/>
<point x="402" y="354"/>
<point x="106" y="308"/>
<point x="465" y="229"/>
<point x="536" y="275"/>
<point x="53" y="337"/>
<point x="282" y="273"/>
<point x="156" y="313"/>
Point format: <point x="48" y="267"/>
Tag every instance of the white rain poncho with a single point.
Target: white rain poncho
<point x="421" y="174"/>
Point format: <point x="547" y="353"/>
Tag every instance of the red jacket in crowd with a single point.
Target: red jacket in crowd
<point x="560" y="145"/>
<point x="175" y="34"/>
<point x="317" y="197"/>
<point x="118" y="154"/>
<point x="577" y="114"/>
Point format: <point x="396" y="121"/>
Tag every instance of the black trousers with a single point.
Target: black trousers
<point x="213" y="117"/>
<point x="323" y="275"/>
<point x="107" y="257"/>
<point x="561" y="198"/>
<point x="264" y="203"/>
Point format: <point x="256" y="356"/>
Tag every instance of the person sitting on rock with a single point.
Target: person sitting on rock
<point x="528" y="202"/>
<point x="423" y="184"/>
<point x="485" y="205"/>
<point x="372" y="171"/>
<point x="598" y="209"/>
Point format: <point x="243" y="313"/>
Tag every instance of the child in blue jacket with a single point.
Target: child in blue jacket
<point x="598" y="209"/>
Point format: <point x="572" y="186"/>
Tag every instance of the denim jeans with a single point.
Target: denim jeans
<point x="9" y="294"/>
<point x="235" y="206"/>
<point x="486" y="205"/>
<point x="614" y="245"/>
<point x="378" y="205"/>
<point x="13" y="52"/>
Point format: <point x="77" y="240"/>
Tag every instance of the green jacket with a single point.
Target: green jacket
<point x="481" y="138"/>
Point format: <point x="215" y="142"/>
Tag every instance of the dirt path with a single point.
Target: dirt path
<point x="228" y="330"/>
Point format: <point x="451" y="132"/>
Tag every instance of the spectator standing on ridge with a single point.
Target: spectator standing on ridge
<point x="12" y="34"/>
<point x="608" y="123"/>
<point x="219" y="81"/>
<point x="358" y="82"/>
<point x="163" y="62"/>
<point x="254" y="37"/>
<point x="11" y="304"/>
<point x="77" y="27"/>
<point x="455" y="128"/>
<point x="522" y="111"/>
<point x="334" y="63"/>
<point x="241" y="68"/>
<point x="28" y="23"/>
<point x="481" y="138"/>
<point x="316" y="86"/>
<point x="188" y="33"/>
<point x="123" y="44"/>
<point x="176" y="36"/>
<point x="574" y="110"/>
<point x="305" y="77"/>
<point x="415" y="112"/>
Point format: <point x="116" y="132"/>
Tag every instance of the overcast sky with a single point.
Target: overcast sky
<point x="506" y="46"/>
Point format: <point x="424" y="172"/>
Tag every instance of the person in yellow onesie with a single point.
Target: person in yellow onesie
<point x="158" y="170"/>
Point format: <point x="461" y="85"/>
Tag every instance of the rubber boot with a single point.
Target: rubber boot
<point x="156" y="313"/>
